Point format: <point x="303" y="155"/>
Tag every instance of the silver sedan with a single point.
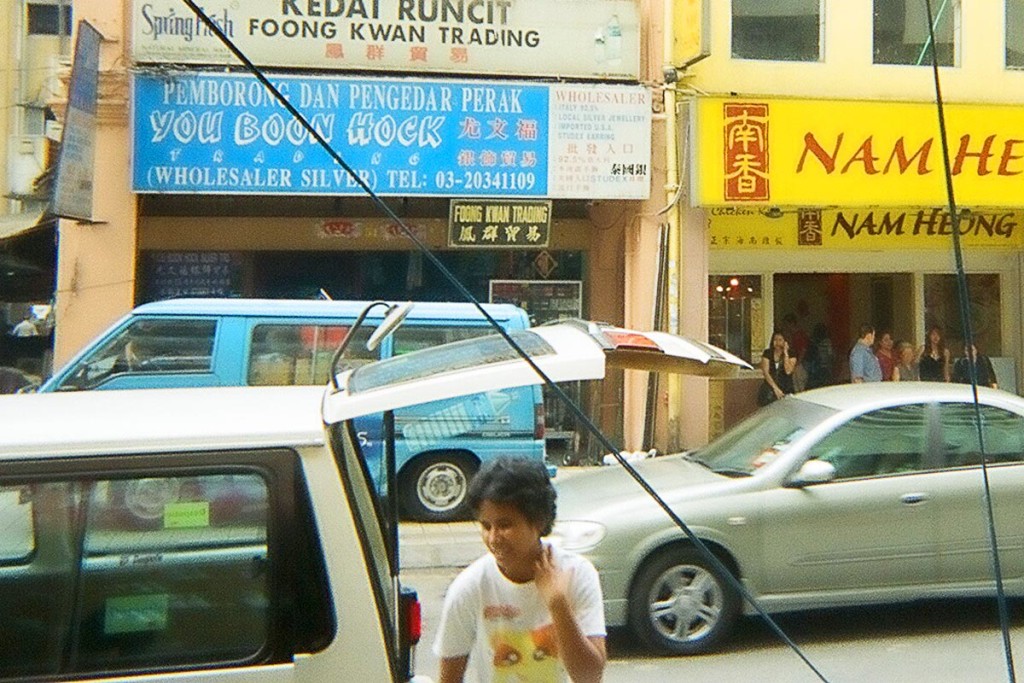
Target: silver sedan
<point x="847" y="495"/>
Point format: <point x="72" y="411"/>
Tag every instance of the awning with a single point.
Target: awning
<point x="13" y="225"/>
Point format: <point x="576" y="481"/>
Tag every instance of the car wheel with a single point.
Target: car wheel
<point x="682" y="605"/>
<point x="435" y="488"/>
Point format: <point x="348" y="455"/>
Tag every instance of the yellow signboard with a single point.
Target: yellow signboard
<point x="868" y="229"/>
<point x="773" y="152"/>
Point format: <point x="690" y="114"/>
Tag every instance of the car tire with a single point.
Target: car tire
<point x="682" y="605"/>
<point x="434" y="487"/>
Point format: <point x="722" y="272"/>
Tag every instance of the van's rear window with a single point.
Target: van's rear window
<point x="447" y="358"/>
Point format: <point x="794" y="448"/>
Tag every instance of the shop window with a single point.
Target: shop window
<point x="901" y="32"/>
<point x="787" y="31"/>
<point x="1015" y="34"/>
<point x="735" y="314"/>
<point x="942" y="309"/>
<point x="49" y="20"/>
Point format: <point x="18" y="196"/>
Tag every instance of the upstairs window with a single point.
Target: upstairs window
<point x="781" y="30"/>
<point x="901" y="32"/>
<point x="49" y="20"/>
<point x="1015" y="34"/>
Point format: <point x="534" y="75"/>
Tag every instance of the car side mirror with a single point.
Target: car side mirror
<point x="813" y="472"/>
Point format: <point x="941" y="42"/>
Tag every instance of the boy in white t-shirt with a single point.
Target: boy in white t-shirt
<point x="526" y="611"/>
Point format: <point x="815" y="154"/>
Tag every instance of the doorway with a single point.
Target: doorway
<point x="830" y="308"/>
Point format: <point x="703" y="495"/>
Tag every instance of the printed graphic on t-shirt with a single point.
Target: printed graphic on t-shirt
<point x="526" y="656"/>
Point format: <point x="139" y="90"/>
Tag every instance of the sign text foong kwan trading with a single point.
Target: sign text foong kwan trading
<point x="568" y="38"/>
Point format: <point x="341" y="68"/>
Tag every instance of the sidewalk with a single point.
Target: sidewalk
<point x="446" y="544"/>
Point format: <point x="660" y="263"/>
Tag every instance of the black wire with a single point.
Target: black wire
<point x="972" y="364"/>
<point x="562" y="396"/>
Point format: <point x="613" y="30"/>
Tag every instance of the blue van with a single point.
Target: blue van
<point x="247" y="342"/>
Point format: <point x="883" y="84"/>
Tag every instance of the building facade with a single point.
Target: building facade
<point x="34" y="48"/>
<point x="816" y="174"/>
<point x="458" y="114"/>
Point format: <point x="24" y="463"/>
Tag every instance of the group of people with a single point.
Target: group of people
<point x="900" y="361"/>
<point x="871" y="360"/>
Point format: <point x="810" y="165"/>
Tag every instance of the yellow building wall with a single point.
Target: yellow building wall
<point x="847" y="71"/>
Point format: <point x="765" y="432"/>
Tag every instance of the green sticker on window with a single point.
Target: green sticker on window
<point x="136" y="613"/>
<point x="187" y="515"/>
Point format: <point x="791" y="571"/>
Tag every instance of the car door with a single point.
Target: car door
<point x="872" y="526"/>
<point x="965" y="552"/>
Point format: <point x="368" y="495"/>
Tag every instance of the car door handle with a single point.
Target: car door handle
<point x="913" y="498"/>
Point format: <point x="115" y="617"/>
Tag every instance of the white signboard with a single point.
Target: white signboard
<point x="570" y="38"/>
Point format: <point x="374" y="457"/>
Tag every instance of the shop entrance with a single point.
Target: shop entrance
<point x="827" y="309"/>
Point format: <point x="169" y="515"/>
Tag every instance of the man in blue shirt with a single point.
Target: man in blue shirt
<point x="864" y="366"/>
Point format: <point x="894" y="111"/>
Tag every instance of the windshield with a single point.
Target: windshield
<point x="762" y="437"/>
<point x="448" y="358"/>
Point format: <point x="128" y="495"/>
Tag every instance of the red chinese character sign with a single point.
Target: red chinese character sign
<point x="746" y="152"/>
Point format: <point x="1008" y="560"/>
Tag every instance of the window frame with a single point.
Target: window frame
<point x="924" y="59"/>
<point x="1018" y="15"/>
<point x="820" y="40"/>
<point x="290" y="545"/>
<point x="34" y="25"/>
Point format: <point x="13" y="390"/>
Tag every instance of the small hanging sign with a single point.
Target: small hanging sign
<point x="499" y="223"/>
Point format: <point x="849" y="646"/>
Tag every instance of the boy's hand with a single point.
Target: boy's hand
<point x="552" y="582"/>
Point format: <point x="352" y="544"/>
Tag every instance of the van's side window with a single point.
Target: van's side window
<point x="16" y="534"/>
<point x="162" y="345"/>
<point x="301" y="354"/>
<point x="155" y="571"/>
<point x="410" y="338"/>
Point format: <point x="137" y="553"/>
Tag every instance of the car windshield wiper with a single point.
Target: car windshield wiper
<point x="691" y="456"/>
<point x="730" y="472"/>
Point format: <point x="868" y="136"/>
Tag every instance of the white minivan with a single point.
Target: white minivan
<point x="236" y="533"/>
<point x="199" y="534"/>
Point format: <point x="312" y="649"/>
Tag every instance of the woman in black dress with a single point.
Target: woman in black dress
<point x="777" y="367"/>
<point x="933" y="360"/>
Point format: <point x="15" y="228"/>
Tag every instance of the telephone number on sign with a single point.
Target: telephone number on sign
<point x="485" y="180"/>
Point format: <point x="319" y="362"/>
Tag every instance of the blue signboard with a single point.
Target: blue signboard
<point x="226" y="133"/>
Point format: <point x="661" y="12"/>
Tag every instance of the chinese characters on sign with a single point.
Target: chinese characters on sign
<point x="746" y="151"/>
<point x="499" y="223"/>
<point x="809" y="227"/>
<point x="866" y="228"/>
<point x="171" y="274"/>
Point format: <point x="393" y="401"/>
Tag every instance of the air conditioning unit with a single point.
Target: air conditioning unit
<point x="26" y="160"/>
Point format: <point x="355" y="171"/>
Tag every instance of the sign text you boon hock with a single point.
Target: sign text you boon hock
<point x="573" y="38"/>
<point x="227" y="134"/>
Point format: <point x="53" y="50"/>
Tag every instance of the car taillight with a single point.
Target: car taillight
<point x="410" y="628"/>
<point x="538" y="421"/>
<point x="413" y="621"/>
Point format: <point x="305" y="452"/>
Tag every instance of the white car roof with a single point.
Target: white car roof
<point x="155" y="420"/>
